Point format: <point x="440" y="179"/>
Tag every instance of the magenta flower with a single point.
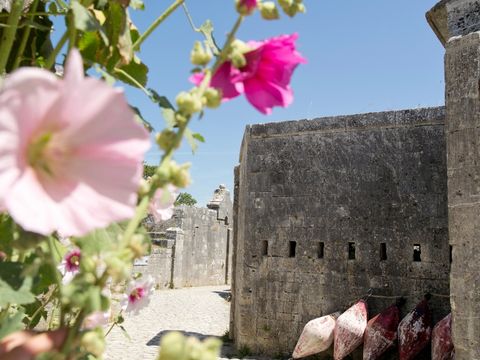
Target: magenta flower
<point x="246" y="7"/>
<point x="72" y="260"/>
<point x="162" y="205"/>
<point x="265" y="79"/>
<point x="137" y="295"/>
<point x="71" y="151"/>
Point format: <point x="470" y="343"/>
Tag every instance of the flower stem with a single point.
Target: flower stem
<point x="228" y="42"/>
<point x="53" y="263"/>
<point x="53" y="56"/>
<point x="44" y="304"/>
<point x="26" y="35"/>
<point x="141" y="210"/>
<point x="72" y="31"/>
<point x="156" y="23"/>
<point x="9" y="34"/>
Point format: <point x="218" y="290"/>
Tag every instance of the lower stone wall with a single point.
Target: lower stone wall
<point x="196" y="250"/>
<point x="159" y="263"/>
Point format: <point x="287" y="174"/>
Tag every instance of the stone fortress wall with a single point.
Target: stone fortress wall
<point x="196" y="248"/>
<point x="330" y="208"/>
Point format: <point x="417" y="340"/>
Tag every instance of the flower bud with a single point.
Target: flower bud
<point x="189" y="103"/>
<point x="93" y="342"/>
<point x="199" y="55"/>
<point x="117" y="268"/>
<point x="269" y="10"/>
<point x="246" y="7"/>
<point x="292" y="7"/>
<point x="213" y="98"/>
<point x="180" y="175"/>
<point x="138" y="245"/>
<point x="166" y="139"/>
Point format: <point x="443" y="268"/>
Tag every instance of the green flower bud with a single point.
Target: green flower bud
<point x="180" y="175"/>
<point x="117" y="268"/>
<point x="285" y="4"/>
<point x="180" y="119"/>
<point x="172" y="347"/>
<point x="189" y="103"/>
<point x="213" y="98"/>
<point x="166" y="139"/>
<point x="93" y="342"/>
<point x="238" y="59"/>
<point x="199" y="55"/>
<point x="138" y="245"/>
<point x="269" y="10"/>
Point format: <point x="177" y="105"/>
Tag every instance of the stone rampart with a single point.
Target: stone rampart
<point x="332" y="208"/>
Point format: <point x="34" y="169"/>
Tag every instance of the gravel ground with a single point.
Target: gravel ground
<point x="199" y="311"/>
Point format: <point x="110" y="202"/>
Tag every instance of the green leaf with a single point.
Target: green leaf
<point x="7" y="234"/>
<point x="137" y="71"/>
<point x="8" y="295"/>
<point x="100" y="240"/>
<point x="198" y="137"/>
<point x="207" y="30"/>
<point x="118" y="29"/>
<point x="125" y="332"/>
<point x="31" y="309"/>
<point x="89" y="45"/>
<point x="142" y="120"/>
<point x="85" y="21"/>
<point x="162" y="101"/>
<point x="191" y="140"/>
<point x="11" y="324"/>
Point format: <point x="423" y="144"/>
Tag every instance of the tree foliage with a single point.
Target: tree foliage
<point x="185" y="198"/>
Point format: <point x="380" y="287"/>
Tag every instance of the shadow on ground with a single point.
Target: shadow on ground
<point x="227" y="351"/>
<point x="225" y="295"/>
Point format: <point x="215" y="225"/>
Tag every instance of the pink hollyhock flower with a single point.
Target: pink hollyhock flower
<point x="162" y="205"/>
<point x="137" y="295"/>
<point x="96" y="319"/>
<point x="71" y="151"/>
<point x="265" y="79"/>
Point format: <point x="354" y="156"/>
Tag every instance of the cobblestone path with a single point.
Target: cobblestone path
<point x="199" y="311"/>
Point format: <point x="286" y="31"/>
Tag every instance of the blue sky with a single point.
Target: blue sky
<point x="363" y="56"/>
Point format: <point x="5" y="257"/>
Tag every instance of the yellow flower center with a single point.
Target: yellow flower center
<point x="45" y="153"/>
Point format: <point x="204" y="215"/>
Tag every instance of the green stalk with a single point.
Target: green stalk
<point x="26" y="35"/>
<point x="158" y="21"/>
<point x="53" y="56"/>
<point x="58" y="280"/>
<point x="9" y="34"/>
<point x="143" y="205"/>
<point x="72" y="31"/>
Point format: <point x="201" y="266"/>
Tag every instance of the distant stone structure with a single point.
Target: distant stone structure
<point x="195" y="250"/>
<point x="328" y="210"/>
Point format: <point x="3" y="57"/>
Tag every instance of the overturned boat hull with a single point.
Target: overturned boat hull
<point x="381" y="333"/>
<point x="317" y="336"/>
<point x="414" y="331"/>
<point x="442" y="344"/>
<point x="349" y="330"/>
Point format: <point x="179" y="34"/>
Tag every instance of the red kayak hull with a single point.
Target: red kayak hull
<point x="414" y="331"/>
<point x="442" y="343"/>
<point x="381" y="333"/>
<point x="349" y="330"/>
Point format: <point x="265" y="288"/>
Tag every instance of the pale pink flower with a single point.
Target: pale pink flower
<point x="71" y="152"/>
<point x="96" y="319"/>
<point x="162" y="205"/>
<point x="265" y="79"/>
<point x="138" y="295"/>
